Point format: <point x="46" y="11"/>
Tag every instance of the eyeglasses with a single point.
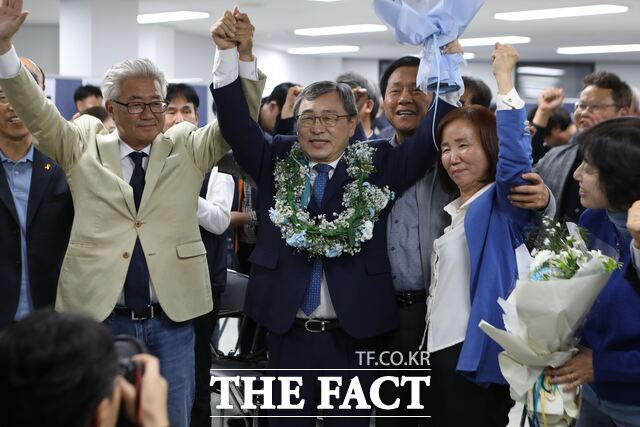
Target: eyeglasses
<point x="328" y="120"/>
<point x="138" y="107"/>
<point x="594" y="108"/>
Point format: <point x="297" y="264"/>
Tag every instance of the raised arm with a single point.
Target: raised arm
<point x="233" y="35"/>
<point x="61" y="140"/>
<point x="514" y="152"/>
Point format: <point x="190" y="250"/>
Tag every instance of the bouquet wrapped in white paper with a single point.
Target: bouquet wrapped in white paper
<point x="541" y="317"/>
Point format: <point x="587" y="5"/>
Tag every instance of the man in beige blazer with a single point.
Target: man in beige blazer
<point x="135" y="236"/>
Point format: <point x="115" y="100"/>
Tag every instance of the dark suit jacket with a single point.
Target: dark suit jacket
<point x="360" y="285"/>
<point x="49" y="218"/>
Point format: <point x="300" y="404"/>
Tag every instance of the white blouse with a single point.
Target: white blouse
<point x="449" y="300"/>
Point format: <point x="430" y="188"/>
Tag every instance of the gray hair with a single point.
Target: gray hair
<point x="317" y="89"/>
<point x="355" y="80"/>
<point x="141" y="67"/>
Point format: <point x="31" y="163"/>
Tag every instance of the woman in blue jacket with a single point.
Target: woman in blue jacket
<point x="474" y="262"/>
<point x="608" y="363"/>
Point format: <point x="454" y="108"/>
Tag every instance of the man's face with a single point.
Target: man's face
<point x="405" y="105"/>
<point x="268" y="114"/>
<point x="88" y="102"/>
<point x="595" y="105"/>
<point x="180" y="110"/>
<point x="11" y="127"/>
<point x="321" y="143"/>
<point x="137" y="130"/>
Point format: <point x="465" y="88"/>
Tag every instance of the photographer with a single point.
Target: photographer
<point x="63" y="370"/>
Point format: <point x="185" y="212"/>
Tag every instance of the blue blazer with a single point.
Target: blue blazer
<point x="494" y="229"/>
<point x="49" y="218"/>
<point x="360" y="285"/>
<point x="612" y="328"/>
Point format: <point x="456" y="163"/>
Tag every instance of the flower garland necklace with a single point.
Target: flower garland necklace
<point x="350" y="228"/>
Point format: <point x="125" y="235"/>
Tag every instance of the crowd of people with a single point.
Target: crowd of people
<point x="367" y="220"/>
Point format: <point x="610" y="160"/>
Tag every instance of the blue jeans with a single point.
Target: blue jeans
<point x="602" y="413"/>
<point x="172" y="343"/>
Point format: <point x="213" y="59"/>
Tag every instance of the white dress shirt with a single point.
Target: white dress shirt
<point x="214" y="211"/>
<point x="449" y="300"/>
<point x="325" y="310"/>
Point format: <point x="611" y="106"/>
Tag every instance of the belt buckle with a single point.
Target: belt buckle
<point x="311" y="322"/>
<point x="150" y="316"/>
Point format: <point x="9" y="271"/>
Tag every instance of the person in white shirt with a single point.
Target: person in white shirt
<point x="474" y="262"/>
<point x="214" y="210"/>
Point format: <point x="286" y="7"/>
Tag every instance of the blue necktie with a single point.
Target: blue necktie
<point x="136" y="285"/>
<point x="311" y="299"/>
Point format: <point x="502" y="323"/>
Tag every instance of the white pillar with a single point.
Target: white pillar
<point x="157" y="42"/>
<point x="95" y="34"/>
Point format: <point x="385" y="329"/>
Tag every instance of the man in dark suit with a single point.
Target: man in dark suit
<point x="36" y="212"/>
<point x="320" y="310"/>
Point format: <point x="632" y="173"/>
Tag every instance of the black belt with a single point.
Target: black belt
<point x="407" y="298"/>
<point x="317" y="325"/>
<point x="151" y="311"/>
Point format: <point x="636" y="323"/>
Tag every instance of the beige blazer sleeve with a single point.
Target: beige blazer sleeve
<point x="63" y="141"/>
<point x="207" y="145"/>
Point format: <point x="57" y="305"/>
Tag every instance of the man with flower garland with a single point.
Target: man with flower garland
<point x="320" y="280"/>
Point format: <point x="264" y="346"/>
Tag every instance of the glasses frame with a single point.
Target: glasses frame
<point x="594" y="108"/>
<point x="319" y="118"/>
<point x="165" y="105"/>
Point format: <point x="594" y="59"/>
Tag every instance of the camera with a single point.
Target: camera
<point x="127" y="347"/>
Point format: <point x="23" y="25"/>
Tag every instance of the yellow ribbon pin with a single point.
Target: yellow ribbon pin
<point x="47" y="166"/>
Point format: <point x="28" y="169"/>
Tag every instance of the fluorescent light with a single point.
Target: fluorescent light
<point x="490" y="41"/>
<point x="541" y="71"/>
<point x="468" y="55"/>
<point x="315" y="50"/>
<point x="561" y="12"/>
<point x="185" y="80"/>
<point x="179" y="15"/>
<point x="342" y="29"/>
<point x="613" y="48"/>
<point x="325" y="1"/>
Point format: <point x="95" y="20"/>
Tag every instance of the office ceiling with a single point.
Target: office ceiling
<point x="275" y="21"/>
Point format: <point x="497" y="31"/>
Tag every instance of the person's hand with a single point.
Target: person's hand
<point x="361" y="96"/>
<point x="550" y="99"/>
<point x="633" y="223"/>
<point x="578" y="370"/>
<point x="11" y="18"/>
<point x="287" y="107"/>
<point x="244" y="35"/>
<point x="534" y="196"/>
<point x="223" y="31"/>
<point x="505" y="58"/>
<point x="452" y="47"/>
<point x="153" y="394"/>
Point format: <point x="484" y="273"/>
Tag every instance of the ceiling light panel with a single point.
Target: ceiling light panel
<point x="179" y="15"/>
<point x="342" y="29"/>
<point x="561" y="12"/>
<point x="490" y="41"/>
<point x="317" y="50"/>
<point x="584" y="50"/>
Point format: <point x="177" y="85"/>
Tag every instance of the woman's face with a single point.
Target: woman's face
<point x="591" y="194"/>
<point x="463" y="157"/>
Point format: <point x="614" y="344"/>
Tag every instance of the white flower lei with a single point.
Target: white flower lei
<point x="349" y="229"/>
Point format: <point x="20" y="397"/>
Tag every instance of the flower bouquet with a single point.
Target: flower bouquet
<point x="541" y="317"/>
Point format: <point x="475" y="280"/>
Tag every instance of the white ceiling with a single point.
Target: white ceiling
<point x="275" y="21"/>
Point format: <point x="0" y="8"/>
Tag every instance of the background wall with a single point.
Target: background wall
<point x="194" y="61"/>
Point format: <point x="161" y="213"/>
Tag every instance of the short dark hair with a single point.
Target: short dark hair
<point x="98" y="112"/>
<point x="613" y="147"/>
<point x="355" y="80"/>
<point x="175" y="90"/>
<point x="620" y="90"/>
<point x="314" y="90"/>
<point x="485" y="122"/>
<point x="86" y="91"/>
<point x="279" y="94"/>
<point x="560" y="118"/>
<point x="405" y="61"/>
<point x="55" y="369"/>
<point x="480" y="94"/>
